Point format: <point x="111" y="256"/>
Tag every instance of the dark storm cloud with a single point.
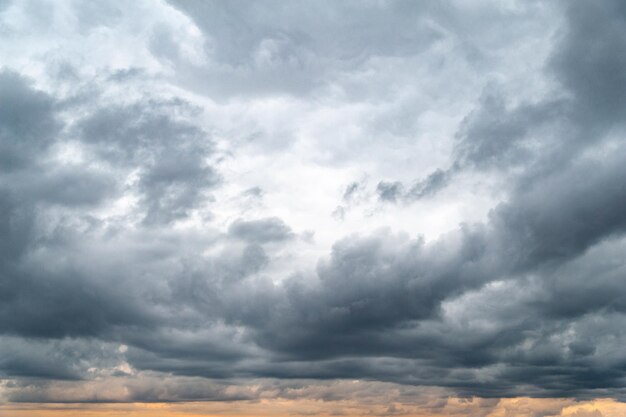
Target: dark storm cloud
<point x="374" y="292"/>
<point x="54" y="359"/>
<point x="27" y="122"/>
<point x="529" y="302"/>
<point x="570" y="292"/>
<point x="171" y="155"/>
<point x="494" y="135"/>
<point x="45" y="292"/>
<point x="29" y="127"/>
<point x="554" y="215"/>
<point x="542" y="136"/>
<point x="565" y="213"/>
<point x="48" y="291"/>
<point x="590" y="63"/>
<point x="375" y="283"/>
<point x="149" y="388"/>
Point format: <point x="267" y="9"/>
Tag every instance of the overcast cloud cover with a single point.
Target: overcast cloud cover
<point x="229" y="200"/>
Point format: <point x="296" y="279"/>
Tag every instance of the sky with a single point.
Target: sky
<point x="313" y="208"/>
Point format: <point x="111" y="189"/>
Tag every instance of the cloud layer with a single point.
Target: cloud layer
<point x="210" y="201"/>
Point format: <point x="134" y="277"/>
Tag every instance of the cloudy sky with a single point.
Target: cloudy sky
<point x="275" y="208"/>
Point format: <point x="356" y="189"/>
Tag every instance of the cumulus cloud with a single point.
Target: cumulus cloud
<point x="153" y="192"/>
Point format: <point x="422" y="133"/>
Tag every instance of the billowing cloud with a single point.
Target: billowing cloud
<point x="329" y="202"/>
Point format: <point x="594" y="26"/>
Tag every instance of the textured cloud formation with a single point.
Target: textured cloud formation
<point x="233" y="202"/>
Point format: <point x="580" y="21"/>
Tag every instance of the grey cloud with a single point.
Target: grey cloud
<point x="48" y="291"/>
<point x="589" y="107"/>
<point x="291" y="50"/>
<point x="125" y="74"/>
<point x="29" y="127"/>
<point x="270" y="229"/>
<point x="213" y="351"/>
<point x="585" y="63"/>
<point x="69" y="186"/>
<point x="354" y="194"/>
<point x="560" y="218"/>
<point x="146" y="388"/>
<point x="529" y="302"/>
<point x="351" y="190"/>
<point x="389" y="191"/>
<point x="27" y="122"/>
<point x="588" y="284"/>
<point x="494" y="135"/>
<point x="339" y="213"/>
<point x="208" y="285"/>
<point x="125" y="134"/>
<point x="430" y="185"/>
<point x="373" y="290"/>
<point x="66" y="305"/>
<point x="589" y="63"/>
<point x="93" y="16"/>
<point x="170" y="154"/>
<point x="63" y="359"/>
<point x="190" y="389"/>
<point x="254" y="192"/>
<point x="394" y="192"/>
<point x="17" y="226"/>
<point x="173" y="185"/>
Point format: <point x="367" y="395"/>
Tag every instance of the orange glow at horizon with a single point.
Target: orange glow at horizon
<point x="452" y="407"/>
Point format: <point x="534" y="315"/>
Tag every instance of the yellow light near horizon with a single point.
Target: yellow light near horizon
<point x="509" y="407"/>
